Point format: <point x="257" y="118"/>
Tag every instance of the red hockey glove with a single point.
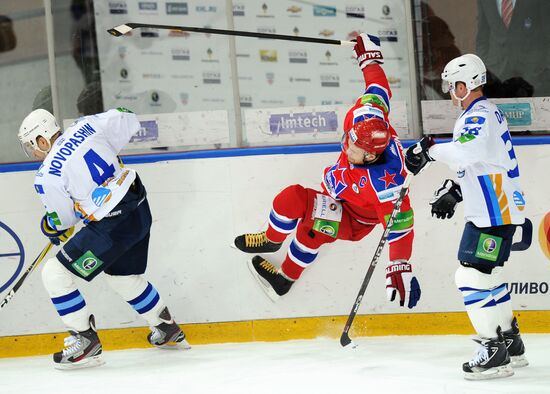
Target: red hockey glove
<point x="400" y="280"/>
<point x="367" y="50"/>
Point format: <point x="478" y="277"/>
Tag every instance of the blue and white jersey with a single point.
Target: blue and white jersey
<point x="82" y="159"/>
<point x="483" y="155"/>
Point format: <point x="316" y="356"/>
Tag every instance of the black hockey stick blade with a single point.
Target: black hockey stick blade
<point x="120" y="30"/>
<point x="345" y="340"/>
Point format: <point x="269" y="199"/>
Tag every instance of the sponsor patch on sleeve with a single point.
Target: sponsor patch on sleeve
<point x="474" y="120"/>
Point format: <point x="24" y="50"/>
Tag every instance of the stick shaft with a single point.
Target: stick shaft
<point x="123" y="29"/>
<point x="345" y="339"/>
<point x="16" y="287"/>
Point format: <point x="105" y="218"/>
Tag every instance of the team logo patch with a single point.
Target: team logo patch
<point x="488" y="247"/>
<point x="519" y="200"/>
<point x="87" y="264"/>
<point x="101" y="195"/>
<point x="327" y="227"/>
<point x="334" y="179"/>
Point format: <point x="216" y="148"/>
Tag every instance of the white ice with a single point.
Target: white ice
<point x="415" y="364"/>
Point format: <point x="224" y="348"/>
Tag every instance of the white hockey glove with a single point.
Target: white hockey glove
<point x="445" y="199"/>
<point x="367" y="50"/>
<point x="400" y="281"/>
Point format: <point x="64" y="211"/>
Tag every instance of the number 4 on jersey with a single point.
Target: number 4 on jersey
<point x="96" y="164"/>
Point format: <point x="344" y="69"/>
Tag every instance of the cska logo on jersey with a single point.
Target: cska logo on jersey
<point x="334" y="179"/>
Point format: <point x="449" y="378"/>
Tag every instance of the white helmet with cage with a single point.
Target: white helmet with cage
<point x="468" y="69"/>
<point x="39" y="123"/>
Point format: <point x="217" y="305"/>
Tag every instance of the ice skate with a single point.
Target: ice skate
<point x="82" y="350"/>
<point x="491" y="360"/>
<point x="255" y="243"/>
<point x="515" y="346"/>
<point x="270" y="279"/>
<point x="167" y="335"/>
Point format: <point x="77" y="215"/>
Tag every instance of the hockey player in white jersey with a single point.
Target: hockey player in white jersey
<point x="81" y="179"/>
<point x="483" y="157"/>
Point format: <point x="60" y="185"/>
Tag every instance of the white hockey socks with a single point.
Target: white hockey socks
<point x="487" y="300"/>
<point x="503" y="300"/>
<point x="140" y="294"/>
<point x="69" y="303"/>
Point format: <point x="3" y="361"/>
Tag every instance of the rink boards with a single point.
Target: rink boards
<point x="200" y="205"/>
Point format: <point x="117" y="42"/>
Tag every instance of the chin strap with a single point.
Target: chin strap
<point x="460" y="100"/>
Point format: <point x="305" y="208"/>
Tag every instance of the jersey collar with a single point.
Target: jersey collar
<point x="473" y="103"/>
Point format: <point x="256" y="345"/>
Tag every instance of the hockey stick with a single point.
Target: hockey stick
<point x="118" y="31"/>
<point x="345" y="339"/>
<point x="16" y="287"/>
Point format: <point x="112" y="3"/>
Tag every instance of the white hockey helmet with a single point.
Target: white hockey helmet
<point x="468" y="69"/>
<point x="39" y="123"/>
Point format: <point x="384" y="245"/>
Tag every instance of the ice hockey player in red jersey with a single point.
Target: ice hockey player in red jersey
<point x="358" y="193"/>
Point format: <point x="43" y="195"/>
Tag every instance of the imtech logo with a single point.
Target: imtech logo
<point x="12" y="256"/>
<point x="304" y="122"/>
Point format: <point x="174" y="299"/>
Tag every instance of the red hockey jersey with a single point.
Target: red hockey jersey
<point x="368" y="191"/>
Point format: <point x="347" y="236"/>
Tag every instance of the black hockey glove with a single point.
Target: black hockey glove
<point x="445" y="199"/>
<point x="417" y="157"/>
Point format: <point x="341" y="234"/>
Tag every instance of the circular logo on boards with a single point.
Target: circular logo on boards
<point x="12" y="256"/>
<point x="489" y="245"/>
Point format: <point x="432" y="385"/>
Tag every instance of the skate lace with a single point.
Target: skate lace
<point x="481" y="355"/>
<point x="255" y="240"/>
<point x="72" y="345"/>
<point x="266" y="265"/>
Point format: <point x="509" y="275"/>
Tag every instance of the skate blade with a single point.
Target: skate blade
<point x="182" y="345"/>
<point x="89" y="362"/>
<point x="492" y="373"/>
<point x="266" y="287"/>
<point x="519" y="361"/>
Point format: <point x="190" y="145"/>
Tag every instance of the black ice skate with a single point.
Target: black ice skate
<point x="515" y="346"/>
<point x="82" y="350"/>
<point x="167" y="335"/>
<point x="490" y="361"/>
<point x="270" y="279"/>
<point x="256" y="243"/>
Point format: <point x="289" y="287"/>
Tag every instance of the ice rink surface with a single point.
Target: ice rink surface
<point x="416" y="364"/>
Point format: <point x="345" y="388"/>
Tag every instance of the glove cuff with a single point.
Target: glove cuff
<point x="398" y="266"/>
<point x="454" y="190"/>
<point x="370" y="57"/>
<point x="47" y="230"/>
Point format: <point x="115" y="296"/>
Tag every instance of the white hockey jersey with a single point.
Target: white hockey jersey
<point x="82" y="159"/>
<point x="488" y="173"/>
